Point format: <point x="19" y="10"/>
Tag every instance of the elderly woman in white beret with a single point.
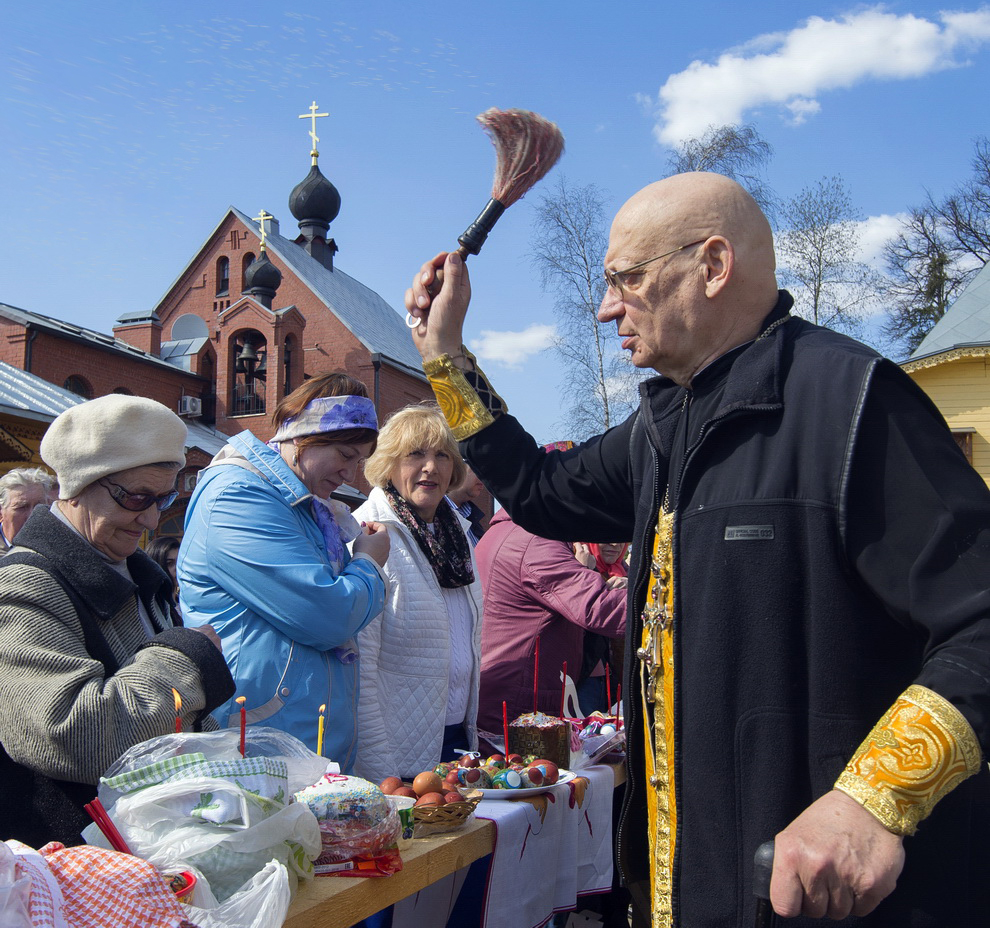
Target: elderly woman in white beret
<point x="90" y="648"/>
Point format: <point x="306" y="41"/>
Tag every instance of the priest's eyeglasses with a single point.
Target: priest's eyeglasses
<point x="137" y="502"/>
<point x="614" y="279"/>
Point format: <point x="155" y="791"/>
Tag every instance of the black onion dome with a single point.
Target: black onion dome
<point x="261" y="273"/>
<point x="314" y="198"/>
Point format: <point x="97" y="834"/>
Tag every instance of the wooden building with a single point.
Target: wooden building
<point x="952" y="365"/>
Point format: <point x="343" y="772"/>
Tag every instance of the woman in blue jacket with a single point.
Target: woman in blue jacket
<point x="264" y="561"/>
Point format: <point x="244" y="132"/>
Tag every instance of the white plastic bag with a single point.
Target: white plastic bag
<point x="303" y="766"/>
<point x="161" y="824"/>
<point x="262" y="903"/>
<point x="15" y="892"/>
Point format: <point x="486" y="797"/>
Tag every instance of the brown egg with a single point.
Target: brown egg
<point x="430" y="799"/>
<point x="451" y="779"/>
<point x="405" y="791"/>
<point x="390" y="784"/>
<point x="469" y="760"/>
<point x="453" y="797"/>
<point x="427" y="782"/>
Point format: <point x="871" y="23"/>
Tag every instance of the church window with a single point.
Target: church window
<point x="250" y="355"/>
<point x="78" y="385"/>
<point x="223" y="275"/>
<point x="287" y="363"/>
<point x="245" y="264"/>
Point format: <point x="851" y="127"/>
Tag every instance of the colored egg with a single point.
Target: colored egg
<point x="427" y="782"/>
<point x="532" y="776"/>
<point x="550" y="770"/>
<point x="475" y="777"/>
<point x="389" y="785"/>
<point x="507" y="779"/>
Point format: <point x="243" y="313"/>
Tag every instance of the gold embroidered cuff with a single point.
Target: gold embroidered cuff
<point x="920" y="750"/>
<point x="462" y="402"/>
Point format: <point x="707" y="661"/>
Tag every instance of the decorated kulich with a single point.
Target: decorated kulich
<point x="353" y="815"/>
<point x="541" y="735"/>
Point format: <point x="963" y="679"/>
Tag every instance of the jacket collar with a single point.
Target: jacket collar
<point x="378" y="508"/>
<point x="101" y="587"/>
<point x="754" y="381"/>
<point x="271" y="466"/>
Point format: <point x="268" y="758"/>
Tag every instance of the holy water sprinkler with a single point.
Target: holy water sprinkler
<point x="526" y="147"/>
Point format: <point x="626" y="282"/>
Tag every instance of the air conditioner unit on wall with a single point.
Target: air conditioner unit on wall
<point x="190" y="406"/>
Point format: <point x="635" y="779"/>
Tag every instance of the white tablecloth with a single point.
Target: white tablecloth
<point x="548" y="850"/>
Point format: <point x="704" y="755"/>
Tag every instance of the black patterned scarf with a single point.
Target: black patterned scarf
<point x="446" y="547"/>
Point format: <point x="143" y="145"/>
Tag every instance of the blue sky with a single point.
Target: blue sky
<point x="128" y="128"/>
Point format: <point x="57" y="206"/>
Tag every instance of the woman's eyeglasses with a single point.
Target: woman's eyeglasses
<point x="137" y="502"/>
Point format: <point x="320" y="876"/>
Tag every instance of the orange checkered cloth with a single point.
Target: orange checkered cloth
<point x="101" y="887"/>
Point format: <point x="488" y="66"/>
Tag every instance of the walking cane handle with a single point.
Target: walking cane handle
<point x="762" y="871"/>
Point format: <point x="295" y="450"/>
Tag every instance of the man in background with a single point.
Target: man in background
<point x="21" y="489"/>
<point x="462" y="498"/>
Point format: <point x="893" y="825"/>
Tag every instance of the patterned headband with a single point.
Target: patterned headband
<point x="329" y="414"/>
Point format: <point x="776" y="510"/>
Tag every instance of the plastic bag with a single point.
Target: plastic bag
<point x="15" y="892"/>
<point x="355" y="818"/>
<point x="302" y="765"/>
<point x="261" y="903"/>
<point x="165" y="824"/>
<point x="191" y="800"/>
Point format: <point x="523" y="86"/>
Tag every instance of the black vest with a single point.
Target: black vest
<point x="766" y="717"/>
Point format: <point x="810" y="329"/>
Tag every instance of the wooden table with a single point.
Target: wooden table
<point x="339" y="902"/>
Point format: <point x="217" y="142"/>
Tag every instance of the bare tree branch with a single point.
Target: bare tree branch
<point x="739" y="152"/>
<point x="938" y="250"/>
<point x="570" y="238"/>
<point x="818" y="257"/>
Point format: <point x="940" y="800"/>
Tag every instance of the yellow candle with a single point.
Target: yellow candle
<point x="319" y="732"/>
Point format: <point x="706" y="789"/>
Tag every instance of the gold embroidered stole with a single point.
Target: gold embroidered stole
<point x="656" y="656"/>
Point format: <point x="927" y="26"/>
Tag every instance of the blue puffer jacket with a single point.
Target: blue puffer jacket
<point x="253" y="564"/>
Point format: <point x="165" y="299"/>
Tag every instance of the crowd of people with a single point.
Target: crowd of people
<point x="805" y="606"/>
<point x="277" y="593"/>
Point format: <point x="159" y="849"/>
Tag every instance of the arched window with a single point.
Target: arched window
<point x="78" y="385"/>
<point x="250" y="355"/>
<point x="245" y="264"/>
<point x="223" y="276"/>
<point x="287" y="354"/>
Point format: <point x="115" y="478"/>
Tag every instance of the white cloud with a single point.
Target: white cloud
<point x="874" y="233"/>
<point x="791" y="69"/>
<point x="512" y="348"/>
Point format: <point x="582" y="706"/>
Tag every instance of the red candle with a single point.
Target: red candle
<point x="536" y="673"/>
<point x="608" y="688"/>
<point x="240" y="701"/>
<point x="618" y="705"/>
<point x="178" y="710"/>
<point x="505" y="727"/>
<point x="563" y="689"/>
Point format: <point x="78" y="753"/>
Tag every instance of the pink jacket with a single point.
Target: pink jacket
<point x="533" y="586"/>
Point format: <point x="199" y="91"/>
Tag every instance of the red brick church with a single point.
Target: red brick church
<point x="252" y="315"/>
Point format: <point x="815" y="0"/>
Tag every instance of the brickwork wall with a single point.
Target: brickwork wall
<point x="54" y="359"/>
<point x="323" y="345"/>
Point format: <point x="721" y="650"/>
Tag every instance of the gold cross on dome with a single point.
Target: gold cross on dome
<point x="260" y="219"/>
<point x="313" y="115"/>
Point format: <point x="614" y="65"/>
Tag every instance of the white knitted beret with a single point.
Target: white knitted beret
<point x="108" y="435"/>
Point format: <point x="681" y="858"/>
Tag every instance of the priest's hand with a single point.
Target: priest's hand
<point x="833" y="860"/>
<point x="441" y="317"/>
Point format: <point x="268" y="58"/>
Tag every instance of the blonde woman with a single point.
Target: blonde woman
<point x="420" y="664"/>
